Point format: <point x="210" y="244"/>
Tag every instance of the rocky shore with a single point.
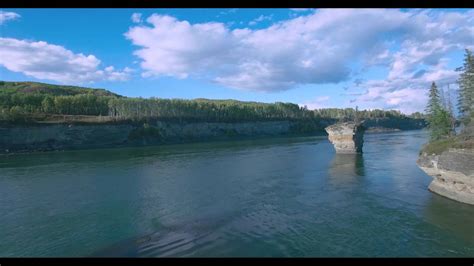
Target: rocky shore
<point x="452" y="172"/>
<point x="451" y="164"/>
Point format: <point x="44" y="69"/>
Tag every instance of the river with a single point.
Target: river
<point x="279" y="197"/>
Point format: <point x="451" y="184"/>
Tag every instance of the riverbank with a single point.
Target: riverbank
<point x="53" y="137"/>
<point x="449" y="162"/>
<point x="75" y="133"/>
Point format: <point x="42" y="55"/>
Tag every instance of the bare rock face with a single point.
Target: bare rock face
<point x="48" y="137"/>
<point x="452" y="172"/>
<point x="347" y="137"/>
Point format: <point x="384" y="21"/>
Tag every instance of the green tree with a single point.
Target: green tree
<point x="356" y="115"/>
<point x="434" y="101"/>
<point x="438" y="118"/>
<point x="48" y="105"/>
<point x="449" y="109"/>
<point x="466" y="87"/>
<point x="17" y="113"/>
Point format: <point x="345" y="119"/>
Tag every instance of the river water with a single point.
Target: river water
<point x="261" y="198"/>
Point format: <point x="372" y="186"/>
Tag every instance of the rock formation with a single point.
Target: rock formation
<point x="453" y="173"/>
<point x="347" y="137"/>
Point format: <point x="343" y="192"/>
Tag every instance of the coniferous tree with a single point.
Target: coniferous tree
<point x="438" y="117"/>
<point x="449" y="108"/>
<point x="466" y="87"/>
<point x="356" y="115"/>
<point x="434" y="102"/>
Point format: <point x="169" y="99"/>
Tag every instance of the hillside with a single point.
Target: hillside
<point x="50" y="89"/>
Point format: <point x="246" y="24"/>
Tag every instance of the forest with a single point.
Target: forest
<point x="29" y="101"/>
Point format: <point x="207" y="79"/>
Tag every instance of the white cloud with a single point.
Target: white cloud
<point x="136" y="18"/>
<point x="322" y="98"/>
<point x="178" y="48"/>
<point x="405" y="93"/>
<point x="318" y="48"/>
<point x="300" y="9"/>
<point x="318" y="103"/>
<point x="53" y="62"/>
<point x="420" y="61"/>
<point x="5" y="16"/>
<point x="407" y="100"/>
<point x="260" y="19"/>
<point x="227" y="12"/>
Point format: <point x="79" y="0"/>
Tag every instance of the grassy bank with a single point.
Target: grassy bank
<point x="455" y="142"/>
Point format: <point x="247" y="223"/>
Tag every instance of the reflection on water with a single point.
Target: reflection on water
<point x="346" y="169"/>
<point x="347" y="166"/>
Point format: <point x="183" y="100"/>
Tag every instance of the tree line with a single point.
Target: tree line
<point x="20" y="104"/>
<point x="25" y="100"/>
<point x="352" y="114"/>
<point x="17" y="105"/>
<point x="204" y="110"/>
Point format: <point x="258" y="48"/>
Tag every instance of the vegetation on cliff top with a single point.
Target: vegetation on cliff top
<point x="461" y="141"/>
<point x="440" y="116"/>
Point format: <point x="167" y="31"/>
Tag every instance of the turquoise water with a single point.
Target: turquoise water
<point x="268" y="197"/>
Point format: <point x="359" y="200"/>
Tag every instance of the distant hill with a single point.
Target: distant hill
<point x="50" y="89"/>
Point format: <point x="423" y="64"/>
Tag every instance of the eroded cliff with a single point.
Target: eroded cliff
<point x="452" y="172"/>
<point x="46" y="137"/>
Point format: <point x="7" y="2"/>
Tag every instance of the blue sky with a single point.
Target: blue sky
<point x="373" y="58"/>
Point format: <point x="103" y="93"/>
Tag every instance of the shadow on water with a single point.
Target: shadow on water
<point x="452" y="216"/>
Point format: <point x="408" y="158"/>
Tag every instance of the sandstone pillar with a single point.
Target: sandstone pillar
<point x="347" y="137"/>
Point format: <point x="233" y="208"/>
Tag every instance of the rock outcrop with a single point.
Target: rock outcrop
<point x="347" y="137"/>
<point x="452" y="172"/>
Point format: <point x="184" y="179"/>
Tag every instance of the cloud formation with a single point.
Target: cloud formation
<point x="325" y="46"/>
<point x="421" y="59"/>
<point x="42" y="60"/>
<point x="5" y="16"/>
<point x="136" y="18"/>
<point x="318" y="103"/>
<point x="300" y="9"/>
<point x="260" y="19"/>
<point x="227" y="12"/>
